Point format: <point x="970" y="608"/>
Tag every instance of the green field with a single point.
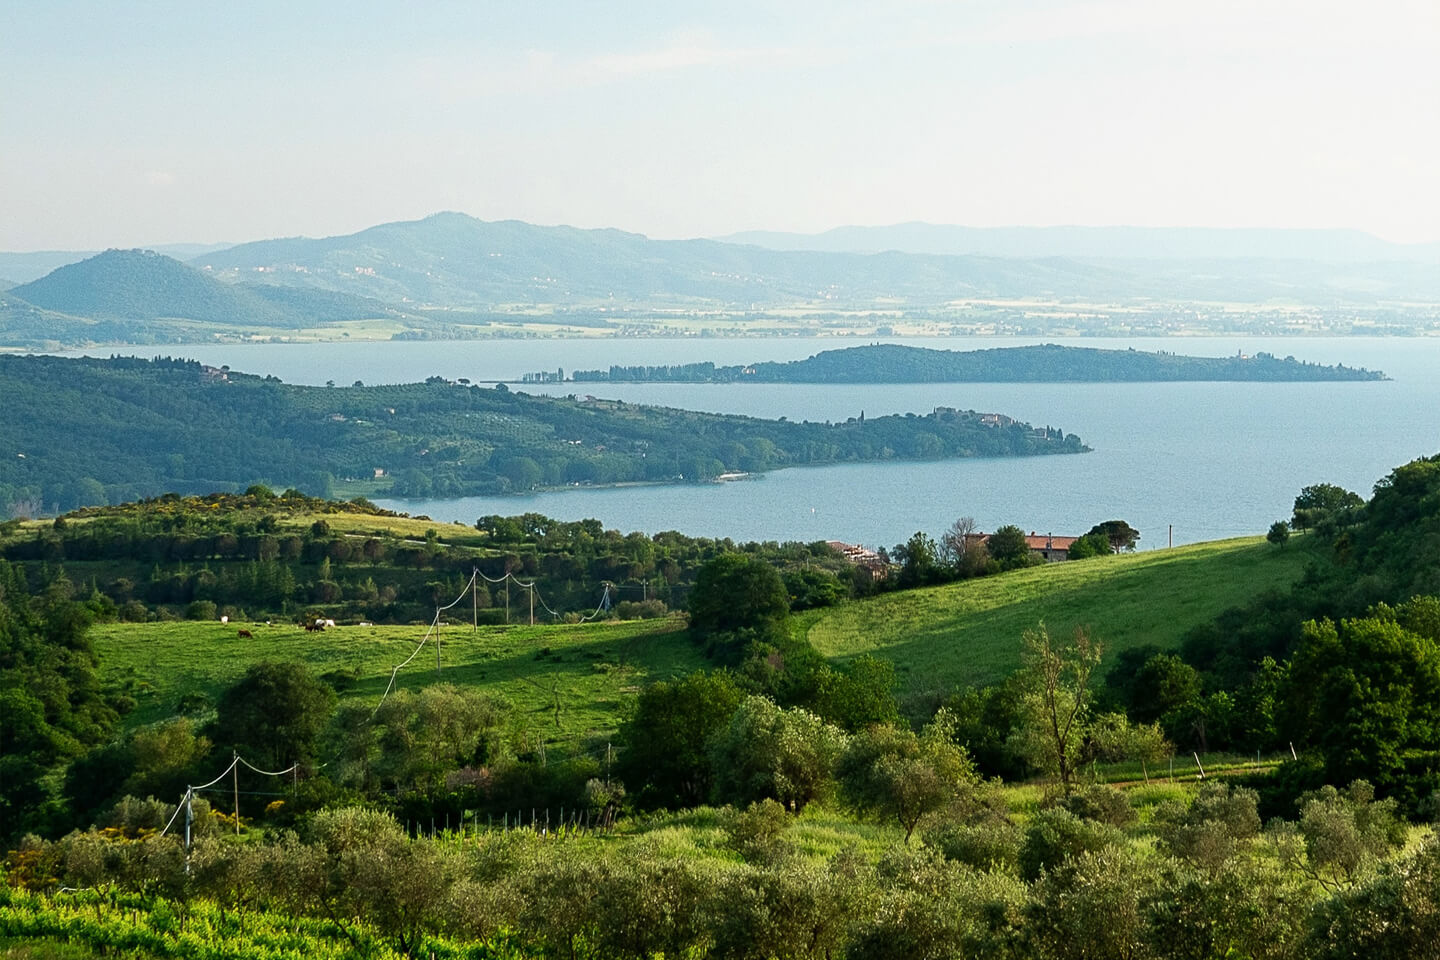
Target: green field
<point x="570" y="680"/>
<point x="970" y="632"/>
<point x="588" y="669"/>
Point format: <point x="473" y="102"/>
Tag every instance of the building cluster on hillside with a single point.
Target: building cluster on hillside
<point x="862" y="557"/>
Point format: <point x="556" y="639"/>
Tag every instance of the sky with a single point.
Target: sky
<point x="128" y="123"/>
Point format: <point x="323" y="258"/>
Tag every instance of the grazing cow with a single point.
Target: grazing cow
<point x="246" y="635"/>
<point x="312" y="626"/>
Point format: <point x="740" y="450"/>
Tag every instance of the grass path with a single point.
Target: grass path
<point x="970" y="633"/>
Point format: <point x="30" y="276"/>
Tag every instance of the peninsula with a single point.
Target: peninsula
<point x="79" y="432"/>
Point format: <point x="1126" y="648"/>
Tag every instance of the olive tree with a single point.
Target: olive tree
<point x="892" y="774"/>
<point x="765" y="751"/>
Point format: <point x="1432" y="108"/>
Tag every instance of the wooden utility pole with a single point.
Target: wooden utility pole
<point x="235" y="780"/>
<point x="475" y="601"/>
<point x="1172" y="536"/>
<point x="437" y="646"/>
<point x="532" y="604"/>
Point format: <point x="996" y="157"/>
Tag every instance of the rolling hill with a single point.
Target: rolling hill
<point x="141" y="285"/>
<point x="940" y="638"/>
<point x="970" y="632"/>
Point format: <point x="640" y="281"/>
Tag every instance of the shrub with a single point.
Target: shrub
<point x="200" y="610"/>
<point x="756" y="833"/>
<point x="988" y="846"/>
<point x="1211" y="830"/>
<point x="1057" y="835"/>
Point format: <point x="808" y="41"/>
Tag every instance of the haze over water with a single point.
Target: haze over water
<point x="1213" y="459"/>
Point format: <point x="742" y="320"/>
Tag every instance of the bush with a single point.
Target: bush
<point x="133" y="611"/>
<point x="201" y="610"/>
<point x="988" y="846"/>
<point x="1210" y="831"/>
<point x="1101" y="804"/>
<point x="1057" y="835"/>
<point x="757" y="832"/>
<point x="641" y="609"/>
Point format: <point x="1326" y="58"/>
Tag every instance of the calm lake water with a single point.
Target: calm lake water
<point x="1211" y="459"/>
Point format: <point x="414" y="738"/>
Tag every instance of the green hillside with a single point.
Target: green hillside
<point x="939" y="637"/>
<point x="970" y="632"/>
<point x="141" y="285"/>
<point x="587" y="669"/>
<point x="93" y="431"/>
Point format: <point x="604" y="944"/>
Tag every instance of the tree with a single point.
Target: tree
<point x="274" y="713"/>
<point x="1279" y="533"/>
<point x="1365" y="692"/>
<point x="766" y="751"/>
<point x="736" y="592"/>
<point x="1121" y="535"/>
<point x="1056" y="708"/>
<point x="918" y="559"/>
<point x="1008" y="546"/>
<point x="1347" y="833"/>
<point x="963" y="548"/>
<point x="859" y="696"/>
<point x="666" y="733"/>
<point x="422" y="736"/>
<point x="892" y="774"/>
<point x="1117" y="739"/>
<point x="1321" y="501"/>
<point x="1162" y="684"/>
<point x="1090" y="545"/>
<point x="52" y="706"/>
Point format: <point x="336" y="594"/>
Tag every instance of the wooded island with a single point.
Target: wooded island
<point x="1046" y="363"/>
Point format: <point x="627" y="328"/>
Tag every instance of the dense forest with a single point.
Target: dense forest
<point x="85" y="431"/>
<point x="1047" y="363"/>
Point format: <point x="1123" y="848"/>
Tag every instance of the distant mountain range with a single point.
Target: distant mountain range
<point x="450" y="272"/>
<point x="1123" y="243"/>
<point x="455" y="260"/>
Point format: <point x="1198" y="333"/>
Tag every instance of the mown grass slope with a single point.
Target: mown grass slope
<point x="568" y="680"/>
<point x="970" y="632"/>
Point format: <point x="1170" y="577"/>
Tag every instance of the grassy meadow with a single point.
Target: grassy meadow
<point x="569" y="680"/>
<point x="970" y="632"/>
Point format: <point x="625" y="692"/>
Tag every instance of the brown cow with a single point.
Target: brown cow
<point x="246" y="635"/>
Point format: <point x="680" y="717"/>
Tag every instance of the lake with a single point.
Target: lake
<point x="1208" y="460"/>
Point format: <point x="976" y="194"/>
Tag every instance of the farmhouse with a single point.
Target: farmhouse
<point x="1047" y="547"/>
<point x="1050" y="548"/>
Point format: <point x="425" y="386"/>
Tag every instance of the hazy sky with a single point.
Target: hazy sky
<point x="125" y="123"/>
